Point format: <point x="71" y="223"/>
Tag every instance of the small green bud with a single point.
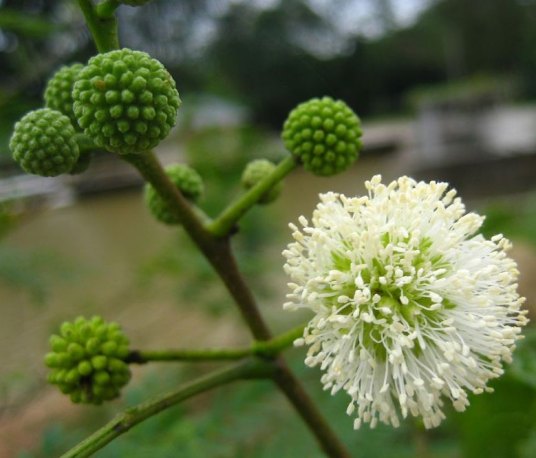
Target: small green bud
<point x="324" y="135"/>
<point x="125" y="101"/>
<point x="187" y="181"/>
<point x="57" y="343"/>
<point x="254" y="172"/>
<point x="76" y="351"/>
<point x="51" y="360"/>
<point x="86" y="362"/>
<point x="85" y="368"/>
<point x="58" y="92"/>
<point x="43" y="143"/>
<point x="99" y="362"/>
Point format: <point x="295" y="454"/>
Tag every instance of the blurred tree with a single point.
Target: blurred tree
<point x="35" y="37"/>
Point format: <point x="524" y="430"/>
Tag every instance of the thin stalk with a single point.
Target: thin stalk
<point x="227" y="220"/>
<point x="217" y="251"/>
<point x="106" y="8"/>
<point x="278" y="343"/>
<point x="253" y="368"/>
<point x="265" y="349"/>
<point x="103" y="29"/>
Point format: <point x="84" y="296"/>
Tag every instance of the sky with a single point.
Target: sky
<point x="359" y="14"/>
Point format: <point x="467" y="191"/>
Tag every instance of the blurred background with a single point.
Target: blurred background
<point x="446" y="89"/>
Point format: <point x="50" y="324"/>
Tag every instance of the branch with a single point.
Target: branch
<point x="252" y="368"/>
<point x="225" y="222"/>
<point x="217" y="251"/>
<point x="103" y="29"/>
<point x="106" y="8"/>
<point x="267" y="349"/>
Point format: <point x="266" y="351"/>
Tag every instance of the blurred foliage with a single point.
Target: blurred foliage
<point x="33" y="273"/>
<point x="209" y="151"/>
<point x="256" y="55"/>
<point x="478" y="87"/>
<point x="513" y="218"/>
<point x="24" y="24"/>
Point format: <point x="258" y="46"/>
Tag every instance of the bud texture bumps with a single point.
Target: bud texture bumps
<point x="87" y="360"/>
<point x="254" y="172"/>
<point x="58" y="93"/>
<point x="324" y="135"/>
<point x="125" y="101"/>
<point x="43" y="143"/>
<point x="187" y="181"/>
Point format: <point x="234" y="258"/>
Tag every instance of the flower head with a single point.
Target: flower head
<point x="412" y="305"/>
<point x="324" y="135"/>
<point x="43" y="143"/>
<point x="87" y="360"/>
<point x="125" y="101"/>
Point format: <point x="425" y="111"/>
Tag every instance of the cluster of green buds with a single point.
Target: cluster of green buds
<point x="87" y="360"/>
<point x="126" y="102"/>
<point x="122" y="101"/>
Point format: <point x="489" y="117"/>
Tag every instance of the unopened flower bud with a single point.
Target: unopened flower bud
<point x="323" y="134"/>
<point x="86" y="361"/>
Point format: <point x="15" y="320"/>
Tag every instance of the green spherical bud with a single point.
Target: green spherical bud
<point x="58" y="92"/>
<point x="125" y="101"/>
<point x="324" y="135"/>
<point x="43" y="143"/>
<point x="254" y="172"/>
<point x="86" y="361"/>
<point x="186" y="179"/>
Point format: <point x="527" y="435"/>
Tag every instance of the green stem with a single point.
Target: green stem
<point x="103" y="29"/>
<point x="217" y="251"/>
<point x="106" y="8"/>
<point x="253" y="368"/>
<point x="227" y="220"/>
<point x="275" y="345"/>
<point x="260" y="348"/>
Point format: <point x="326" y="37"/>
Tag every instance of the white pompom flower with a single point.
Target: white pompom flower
<point x="411" y="304"/>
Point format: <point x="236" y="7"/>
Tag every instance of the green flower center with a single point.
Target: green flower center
<point x="408" y="302"/>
